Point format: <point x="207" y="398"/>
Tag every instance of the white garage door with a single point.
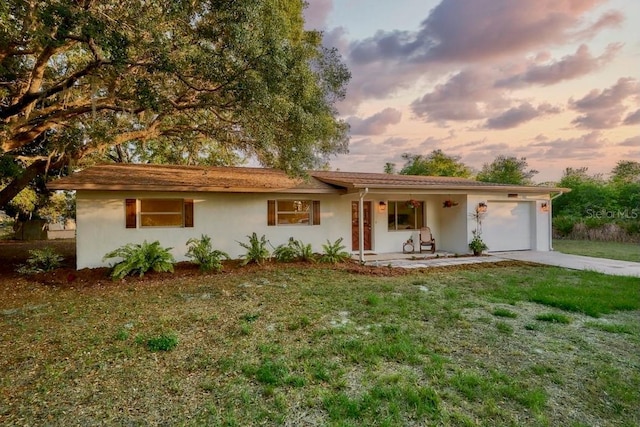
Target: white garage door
<point x="507" y="226"/>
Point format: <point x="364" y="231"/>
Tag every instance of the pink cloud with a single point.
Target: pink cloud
<point x="520" y="114"/>
<point x="569" y="67"/>
<point x="461" y="30"/>
<point x="604" y="109"/>
<point x="376" y="124"/>
<point x="632" y="118"/>
<point x="462" y="97"/>
<point x="474" y="33"/>
<point x="585" y="147"/>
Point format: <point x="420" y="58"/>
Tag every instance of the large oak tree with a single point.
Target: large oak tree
<point x="188" y="81"/>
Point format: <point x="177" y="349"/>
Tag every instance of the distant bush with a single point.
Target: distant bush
<point x="203" y="254"/>
<point x="41" y="260"/>
<point x="140" y="258"/>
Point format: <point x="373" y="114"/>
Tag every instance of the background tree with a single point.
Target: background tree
<point x="435" y="163"/>
<point x="597" y="208"/>
<point x="165" y="81"/>
<point x="588" y="192"/>
<point x="626" y="171"/>
<point x="507" y="170"/>
<point x="390" y="168"/>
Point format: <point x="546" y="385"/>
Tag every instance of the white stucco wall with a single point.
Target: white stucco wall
<point x="228" y="218"/>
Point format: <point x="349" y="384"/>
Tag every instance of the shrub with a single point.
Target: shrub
<point x="204" y="255"/>
<point x="334" y="252"/>
<point x="138" y="259"/>
<point x="285" y="253"/>
<point x="294" y="250"/>
<point x="164" y="342"/>
<point x="563" y="225"/>
<point x="256" y="250"/>
<point x="41" y="260"/>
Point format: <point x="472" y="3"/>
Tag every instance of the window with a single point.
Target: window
<point x="293" y="212"/>
<point x="159" y="213"/>
<point x="402" y="216"/>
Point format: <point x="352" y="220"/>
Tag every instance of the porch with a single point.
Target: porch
<point x="424" y="260"/>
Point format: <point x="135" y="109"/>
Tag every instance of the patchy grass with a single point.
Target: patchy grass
<point x="614" y="328"/>
<point x="609" y="250"/>
<point x="316" y="346"/>
<point x="554" y="318"/>
<point x="503" y="312"/>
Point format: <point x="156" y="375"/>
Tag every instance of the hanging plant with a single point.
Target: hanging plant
<point x="449" y="204"/>
<point x="414" y="204"/>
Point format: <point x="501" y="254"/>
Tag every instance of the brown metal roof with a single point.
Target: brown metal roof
<point x="137" y="177"/>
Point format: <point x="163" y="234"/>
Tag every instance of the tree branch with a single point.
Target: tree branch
<point x="39" y="167"/>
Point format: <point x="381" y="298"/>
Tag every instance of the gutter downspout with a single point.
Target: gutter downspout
<point x="551" y="219"/>
<point x="361" y="224"/>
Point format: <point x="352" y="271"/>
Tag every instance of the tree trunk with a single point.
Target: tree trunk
<point x="39" y="167"/>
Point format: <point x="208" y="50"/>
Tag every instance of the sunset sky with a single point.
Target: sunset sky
<point x="555" y="81"/>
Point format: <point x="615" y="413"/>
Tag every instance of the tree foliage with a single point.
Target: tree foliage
<point x="595" y="202"/>
<point x="166" y="81"/>
<point x="436" y="163"/>
<point x="626" y="171"/>
<point x="507" y="170"/>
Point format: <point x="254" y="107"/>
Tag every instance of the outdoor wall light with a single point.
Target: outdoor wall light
<point x="382" y="206"/>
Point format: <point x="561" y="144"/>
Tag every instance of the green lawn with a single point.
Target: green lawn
<point x="610" y="250"/>
<point x="484" y="346"/>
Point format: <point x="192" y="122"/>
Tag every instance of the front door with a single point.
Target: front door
<point x="355" y="238"/>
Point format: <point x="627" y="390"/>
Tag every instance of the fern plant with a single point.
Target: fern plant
<point x="203" y="254"/>
<point x="41" y="260"/>
<point x="140" y="258"/>
<point x="334" y="252"/>
<point x="257" y="250"/>
<point x="294" y="250"/>
<point x="286" y="253"/>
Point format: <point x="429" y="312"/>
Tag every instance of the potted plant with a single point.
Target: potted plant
<point x="477" y="245"/>
<point x="413" y="203"/>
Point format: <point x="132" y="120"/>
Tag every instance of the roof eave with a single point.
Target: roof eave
<point x="449" y="187"/>
<point x="191" y="189"/>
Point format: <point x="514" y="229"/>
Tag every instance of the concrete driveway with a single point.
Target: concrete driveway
<point x="575" y="262"/>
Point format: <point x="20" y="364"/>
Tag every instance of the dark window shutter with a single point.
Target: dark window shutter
<point x="271" y="212"/>
<point x="131" y="214"/>
<point x="188" y="212"/>
<point x="316" y="212"/>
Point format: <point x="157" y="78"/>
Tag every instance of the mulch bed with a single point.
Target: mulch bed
<point x="15" y="253"/>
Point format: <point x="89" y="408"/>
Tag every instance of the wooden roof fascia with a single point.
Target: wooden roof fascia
<point x="377" y="188"/>
<point x="191" y="189"/>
